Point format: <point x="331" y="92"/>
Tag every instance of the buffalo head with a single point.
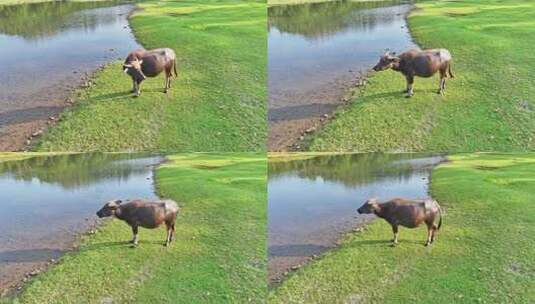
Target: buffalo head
<point x="109" y="208"/>
<point x="133" y="68"/>
<point x="387" y="61"/>
<point x="369" y="206"/>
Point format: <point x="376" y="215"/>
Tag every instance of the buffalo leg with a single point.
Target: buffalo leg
<point x="166" y="89"/>
<point x="134" y="85"/>
<point x="434" y="232"/>
<point x="134" y="232"/>
<point x="429" y="235"/>
<point x="442" y="86"/>
<point x="395" y="231"/>
<point x="170" y="230"/>
<point x="410" y="82"/>
<point x="138" y="89"/>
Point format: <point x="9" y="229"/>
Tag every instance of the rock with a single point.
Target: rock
<point x="301" y="137"/>
<point x="28" y="142"/>
<point x="295" y="267"/>
<point x="37" y="133"/>
<point x="310" y="130"/>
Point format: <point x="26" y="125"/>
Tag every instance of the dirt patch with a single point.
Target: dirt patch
<point x="300" y="114"/>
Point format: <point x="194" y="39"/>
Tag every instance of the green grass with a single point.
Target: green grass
<point x="291" y="2"/>
<point x="483" y="253"/>
<point x="489" y="106"/>
<point x="218" y="102"/>
<point x="219" y="255"/>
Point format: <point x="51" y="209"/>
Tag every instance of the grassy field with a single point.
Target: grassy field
<point x="219" y="255"/>
<point x="218" y="102"/>
<point x="483" y="253"/>
<point x="489" y="106"/>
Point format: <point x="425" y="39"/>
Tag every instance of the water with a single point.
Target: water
<point x="45" y="202"/>
<point x="312" y="201"/>
<point x="45" y="48"/>
<point x="316" y="51"/>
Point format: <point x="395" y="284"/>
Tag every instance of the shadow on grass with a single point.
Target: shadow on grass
<point x="112" y="96"/>
<point x="120" y="243"/>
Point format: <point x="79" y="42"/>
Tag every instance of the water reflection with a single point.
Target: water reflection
<point x="321" y="20"/>
<point x="40" y="20"/>
<point x="75" y="171"/>
<point x="312" y="201"/>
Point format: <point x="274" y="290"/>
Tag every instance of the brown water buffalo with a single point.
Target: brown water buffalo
<point x="141" y="64"/>
<point x="407" y="213"/>
<point x="422" y="63"/>
<point x="143" y="213"/>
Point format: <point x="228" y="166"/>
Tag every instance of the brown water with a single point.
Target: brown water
<point x="46" y="202"/>
<point x="45" y="51"/>
<point x="312" y="202"/>
<point x="318" y="51"/>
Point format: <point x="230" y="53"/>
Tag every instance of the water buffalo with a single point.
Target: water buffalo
<point x="143" y="213"/>
<point x="422" y="63"/>
<point x="141" y="64"/>
<point x="407" y="213"/>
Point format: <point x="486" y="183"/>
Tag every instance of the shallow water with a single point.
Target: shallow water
<point x="312" y="202"/>
<point x="45" y="48"/>
<point x="316" y="51"/>
<point x="45" y="202"/>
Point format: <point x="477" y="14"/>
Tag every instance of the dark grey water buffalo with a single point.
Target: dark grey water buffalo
<point x="407" y="213"/>
<point x="143" y="213"/>
<point x="422" y="63"/>
<point x="141" y="64"/>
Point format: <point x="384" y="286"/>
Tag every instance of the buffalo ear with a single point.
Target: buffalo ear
<point x="118" y="202"/>
<point x="127" y="65"/>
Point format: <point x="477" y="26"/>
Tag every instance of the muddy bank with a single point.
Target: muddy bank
<point x="312" y="203"/>
<point x="46" y="203"/>
<point x="50" y="50"/>
<point x="317" y="53"/>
